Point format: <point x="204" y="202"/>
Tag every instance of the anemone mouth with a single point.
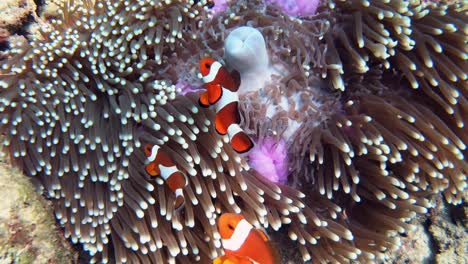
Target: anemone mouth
<point x="245" y="50"/>
<point x="237" y="44"/>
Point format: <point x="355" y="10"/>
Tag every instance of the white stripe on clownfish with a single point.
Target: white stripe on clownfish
<point x="154" y="153"/>
<point x="233" y="129"/>
<point x="240" y="235"/>
<point x="227" y="98"/>
<point x="166" y="172"/>
<point x="214" y="69"/>
<point x="178" y="192"/>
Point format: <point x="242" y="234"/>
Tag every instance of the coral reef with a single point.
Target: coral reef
<point x="28" y="231"/>
<point x="14" y="11"/>
<point x="439" y="236"/>
<point x="416" y="246"/>
<point x="12" y="15"/>
<point x="448" y="228"/>
<point x="366" y="106"/>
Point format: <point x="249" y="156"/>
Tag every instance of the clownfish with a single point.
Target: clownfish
<point x="221" y="90"/>
<point x="160" y="163"/>
<point x="242" y="243"/>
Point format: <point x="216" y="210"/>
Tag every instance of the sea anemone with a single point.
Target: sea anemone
<point x="384" y="38"/>
<point x="364" y="115"/>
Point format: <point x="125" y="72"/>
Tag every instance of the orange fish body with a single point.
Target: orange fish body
<point x="221" y="89"/>
<point x="242" y="243"/>
<point x="160" y="163"/>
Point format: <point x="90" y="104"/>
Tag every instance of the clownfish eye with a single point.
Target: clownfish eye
<point x="231" y="227"/>
<point x="207" y="65"/>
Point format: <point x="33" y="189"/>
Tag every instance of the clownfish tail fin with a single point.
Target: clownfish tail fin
<point x="240" y="141"/>
<point x="176" y="182"/>
<point x="179" y="199"/>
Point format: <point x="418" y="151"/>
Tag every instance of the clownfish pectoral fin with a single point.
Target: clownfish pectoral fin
<point x="222" y="260"/>
<point x="203" y="100"/>
<point x="218" y="260"/>
<point x="240" y="141"/>
<point x="152" y="169"/>
<point x="231" y="259"/>
<point x="148" y="150"/>
<point x="215" y="92"/>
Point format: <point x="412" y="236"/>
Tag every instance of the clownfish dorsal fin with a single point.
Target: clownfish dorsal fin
<point x="237" y="78"/>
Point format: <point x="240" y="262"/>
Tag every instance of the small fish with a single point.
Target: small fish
<point x="160" y="163"/>
<point x="221" y="90"/>
<point x="242" y="243"/>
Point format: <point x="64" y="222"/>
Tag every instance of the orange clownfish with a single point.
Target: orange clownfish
<point x="221" y="89"/>
<point x="160" y="163"/>
<point x="242" y="243"/>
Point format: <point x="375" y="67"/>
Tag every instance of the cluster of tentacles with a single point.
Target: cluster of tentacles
<point x="377" y="91"/>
